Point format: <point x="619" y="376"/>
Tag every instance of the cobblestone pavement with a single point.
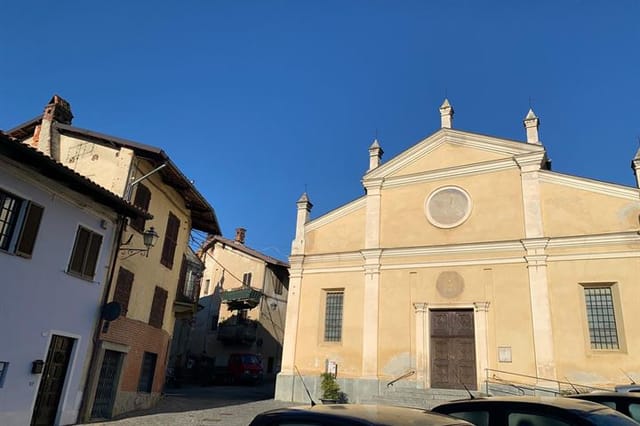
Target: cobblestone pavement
<point x="206" y="406"/>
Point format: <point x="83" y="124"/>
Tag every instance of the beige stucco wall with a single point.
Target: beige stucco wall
<point x="449" y="154"/>
<point x="575" y="357"/>
<point x="109" y="167"/>
<point x="313" y="351"/>
<point x="348" y="234"/>
<point x="404" y="222"/>
<point x="571" y="211"/>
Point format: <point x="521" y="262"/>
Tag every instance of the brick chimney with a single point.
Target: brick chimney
<point x="45" y="138"/>
<point x="240" y="234"/>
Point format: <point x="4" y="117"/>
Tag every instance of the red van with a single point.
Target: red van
<point x="241" y="368"/>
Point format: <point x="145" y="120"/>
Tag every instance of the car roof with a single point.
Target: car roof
<point x="607" y="395"/>
<point x="552" y="401"/>
<point x="375" y="414"/>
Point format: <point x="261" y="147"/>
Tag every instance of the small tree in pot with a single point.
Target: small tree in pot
<point x="330" y="389"/>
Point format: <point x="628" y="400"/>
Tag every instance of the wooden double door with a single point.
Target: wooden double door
<point x="453" y="352"/>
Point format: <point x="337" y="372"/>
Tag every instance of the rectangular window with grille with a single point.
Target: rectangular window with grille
<point x="19" y="224"/>
<point x="84" y="256"/>
<point x="147" y="372"/>
<point x="333" y="316"/>
<point x="601" y="318"/>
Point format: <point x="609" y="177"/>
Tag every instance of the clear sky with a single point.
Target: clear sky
<point x="256" y="100"/>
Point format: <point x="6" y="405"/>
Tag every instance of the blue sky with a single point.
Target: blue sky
<point x="253" y="100"/>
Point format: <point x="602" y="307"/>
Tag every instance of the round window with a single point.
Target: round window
<point x="448" y="207"/>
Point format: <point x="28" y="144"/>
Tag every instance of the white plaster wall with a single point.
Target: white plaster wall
<point x="40" y="299"/>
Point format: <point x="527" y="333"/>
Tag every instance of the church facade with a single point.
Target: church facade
<point x="467" y="263"/>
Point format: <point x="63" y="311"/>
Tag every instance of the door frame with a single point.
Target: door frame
<point x="94" y="375"/>
<point x="423" y="338"/>
<point x="64" y="394"/>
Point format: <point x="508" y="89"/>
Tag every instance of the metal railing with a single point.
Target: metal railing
<point x="403" y="376"/>
<point x="523" y="384"/>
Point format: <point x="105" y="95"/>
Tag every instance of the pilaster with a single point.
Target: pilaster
<point x="422" y="339"/>
<point x="293" y="313"/>
<point x="370" y="326"/>
<point x="481" y="323"/>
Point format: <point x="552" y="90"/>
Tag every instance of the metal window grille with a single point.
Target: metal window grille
<point x="333" y="316"/>
<point x="147" y="372"/>
<point x="601" y="318"/>
<point x="9" y="209"/>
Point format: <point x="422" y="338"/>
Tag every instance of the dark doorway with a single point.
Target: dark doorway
<point x="453" y="352"/>
<point x="52" y="381"/>
<point x="107" y="385"/>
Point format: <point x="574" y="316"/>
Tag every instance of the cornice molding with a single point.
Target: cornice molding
<point x="333" y="257"/>
<point x="594" y="256"/>
<point x="456" y="137"/>
<point x="585" y="184"/>
<point x="622" y="238"/>
<point x="336" y="214"/>
<point x="453" y="249"/>
<point x="455" y="263"/>
<point x="466" y="170"/>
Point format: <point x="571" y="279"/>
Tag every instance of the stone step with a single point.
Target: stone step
<point x="418" y="398"/>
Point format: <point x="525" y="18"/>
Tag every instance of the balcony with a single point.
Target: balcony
<point x="237" y="330"/>
<point x="240" y="298"/>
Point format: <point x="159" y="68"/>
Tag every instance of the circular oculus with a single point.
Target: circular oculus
<point x="448" y="207"/>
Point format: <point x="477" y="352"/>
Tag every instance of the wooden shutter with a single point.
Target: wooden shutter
<point x="123" y="289"/>
<point x="93" y="252"/>
<point x="29" y="232"/>
<point x="182" y="278"/>
<point x="157" y="307"/>
<point x="79" y="250"/>
<point x="170" y="241"/>
<point x="142" y="200"/>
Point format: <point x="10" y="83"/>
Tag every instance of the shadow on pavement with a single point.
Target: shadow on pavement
<point x="191" y="398"/>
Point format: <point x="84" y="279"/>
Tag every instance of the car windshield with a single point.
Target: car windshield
<point x="609" y="417"/>
<point x="250" y="359"/>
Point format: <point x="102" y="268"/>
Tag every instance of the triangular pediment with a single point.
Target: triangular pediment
<point x="447" y="149"/>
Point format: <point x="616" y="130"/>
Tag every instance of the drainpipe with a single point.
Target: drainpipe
<point x="85" y="408"/>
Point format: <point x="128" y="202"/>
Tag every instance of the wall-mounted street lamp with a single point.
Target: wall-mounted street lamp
<point x="149" y="238"/>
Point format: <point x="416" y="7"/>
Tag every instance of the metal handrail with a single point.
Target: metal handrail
<point x="496" y="379"/>
<point x="404" y="376"/>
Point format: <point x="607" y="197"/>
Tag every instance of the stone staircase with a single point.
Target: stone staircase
<point x="418" y="398"/>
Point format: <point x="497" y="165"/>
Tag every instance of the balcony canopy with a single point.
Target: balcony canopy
<point x="244" y="297"/>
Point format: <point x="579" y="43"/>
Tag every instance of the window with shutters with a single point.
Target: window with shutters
<point x="123" y="289"/>
<point x="142" y="200"/>
<point x="246" y="279"/>
<point x="84" y="256"/>
<point x="19" y="224"/>
<point x="170" y="241"/>
<point x="157" y="307"/>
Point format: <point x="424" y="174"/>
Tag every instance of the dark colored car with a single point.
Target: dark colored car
<point x="353" y="414"/>
<point x="625" y="402"/>
<point x="533" y="411"/>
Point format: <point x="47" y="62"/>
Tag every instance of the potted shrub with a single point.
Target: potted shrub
<point x="330" y="389"/>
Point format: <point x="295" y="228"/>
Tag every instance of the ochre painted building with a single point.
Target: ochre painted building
<point x="244" y="295"/>
<point x="467" y="261"/>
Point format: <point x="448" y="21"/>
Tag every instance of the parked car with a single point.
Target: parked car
<point x="628" y="388"/>
<point x="353" y="414"/>
<point x="240" y="368"/>
<point x="533" y="411"/>
<point x="627" y="403"/>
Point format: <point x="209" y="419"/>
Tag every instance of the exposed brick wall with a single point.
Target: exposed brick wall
<point x="141" y="338"/>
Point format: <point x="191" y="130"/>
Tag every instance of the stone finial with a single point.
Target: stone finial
<point x="304" y="211"/>
<point x="531" y="123"/>
<point x="375" y="155"/>
<point x="635" y="165"/>
<point x="446" y="115"/>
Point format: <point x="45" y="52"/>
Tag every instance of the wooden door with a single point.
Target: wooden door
<point x="453" y="353"/>
<point x="107" y="385"/>
<point x="52" y="381"/>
